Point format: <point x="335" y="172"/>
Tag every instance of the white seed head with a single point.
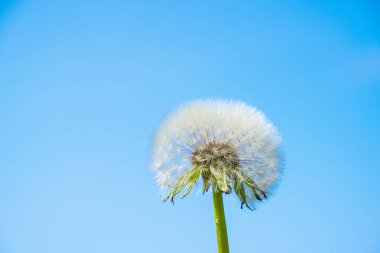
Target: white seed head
<point x="229" y="144"/>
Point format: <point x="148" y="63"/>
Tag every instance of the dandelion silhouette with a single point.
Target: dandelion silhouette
<point x="227" y="146"/>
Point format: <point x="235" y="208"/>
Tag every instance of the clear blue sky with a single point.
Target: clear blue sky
<point x="84" y="84"/>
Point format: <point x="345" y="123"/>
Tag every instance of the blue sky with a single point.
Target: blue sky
<point x="84" y="84"/>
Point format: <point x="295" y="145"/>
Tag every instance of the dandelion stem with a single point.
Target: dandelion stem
<point x="220" y="222"/>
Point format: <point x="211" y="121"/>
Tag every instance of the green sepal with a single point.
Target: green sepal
<point x="206" y="182"/>
<point x="188" y="178"/>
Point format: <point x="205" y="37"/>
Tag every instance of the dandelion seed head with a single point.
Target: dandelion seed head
<point x="229" y="144"/>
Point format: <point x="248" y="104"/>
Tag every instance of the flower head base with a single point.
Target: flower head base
<point x="230" y="145"/>
<point x="217" y="155"/>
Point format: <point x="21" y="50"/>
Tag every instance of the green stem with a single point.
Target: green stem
<point x="220" y="222"/>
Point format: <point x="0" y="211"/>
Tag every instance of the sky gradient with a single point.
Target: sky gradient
<point x="85" y="84"/>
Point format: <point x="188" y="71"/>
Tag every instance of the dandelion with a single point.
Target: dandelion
<point x="227" y="146"/>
